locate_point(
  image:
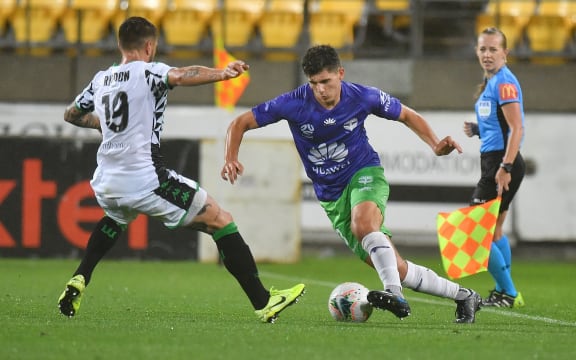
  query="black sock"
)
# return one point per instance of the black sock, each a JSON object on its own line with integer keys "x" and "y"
{"x": 238, "y": 260}
{"x": 103, "y": 238}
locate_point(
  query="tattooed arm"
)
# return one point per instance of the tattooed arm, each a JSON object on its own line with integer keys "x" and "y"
{"x": 76, "y": 117}
{"x": 198, "y": 75}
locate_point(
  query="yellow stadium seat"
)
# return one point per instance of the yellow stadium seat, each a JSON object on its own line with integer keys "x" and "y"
{"x": 186, "y": 22}
{"x": 281, "y": 24}
{"x": 36, "y": 21}
{"x": 152, "y": 10}
{"x": 7, "y": 8}
{"x": 392, "y": 5}
{"x": 396, "y": 13}
{"x": 95, "y": 18}
{"x": 510, "y": 16}
{"x": 237, "y": 20}
{"x": 333, "y": 22}
{"x": 550, "y": 29}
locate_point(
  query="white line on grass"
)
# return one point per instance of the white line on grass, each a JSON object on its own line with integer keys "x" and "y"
{"x": 509, "y": 313}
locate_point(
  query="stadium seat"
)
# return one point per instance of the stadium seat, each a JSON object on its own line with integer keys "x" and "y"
{"x": 550, "y": 29}
{"x": 392, "y": 5}
{"x": 333, "y": 22}
{"x": 153, "y": 10}
{"x": 237, "y": 20}
{"x": 186, "y": 22}
{"x": 7, "y": 8}
{"x": 395, "y": 14}
{"x": 510, "y": 16}
{"x": 95, "y": 18}
{"x": 281, "y": 24}
{"x": 37, "y": 21}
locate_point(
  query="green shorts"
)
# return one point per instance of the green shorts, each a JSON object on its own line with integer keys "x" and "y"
{"x": 368, "y": 184}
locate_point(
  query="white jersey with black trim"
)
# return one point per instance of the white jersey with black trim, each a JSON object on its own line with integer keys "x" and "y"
{"x": 130, "y": 100}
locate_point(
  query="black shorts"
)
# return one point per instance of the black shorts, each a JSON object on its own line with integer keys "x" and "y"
{"x": 486, "y": 187}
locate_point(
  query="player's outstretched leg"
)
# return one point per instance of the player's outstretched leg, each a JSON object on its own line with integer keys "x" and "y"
{"x": 280, "y": 300}
{"x": 69, "y": 301}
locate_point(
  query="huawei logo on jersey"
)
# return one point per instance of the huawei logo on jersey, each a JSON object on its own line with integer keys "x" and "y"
{"x": 508, "y": 92}
{"x": 328, "y": 152}
{"x": 329, "y": 159}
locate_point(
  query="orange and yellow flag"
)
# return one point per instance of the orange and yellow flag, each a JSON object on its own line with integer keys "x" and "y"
{"x": 227, "y": 93}
{"x": 465, "y": 237}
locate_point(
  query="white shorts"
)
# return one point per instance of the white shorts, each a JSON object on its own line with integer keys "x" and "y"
{"x": 175, "y": 202}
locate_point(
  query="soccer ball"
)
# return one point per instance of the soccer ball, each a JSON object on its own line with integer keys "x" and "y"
{"x": 348, "y": 302}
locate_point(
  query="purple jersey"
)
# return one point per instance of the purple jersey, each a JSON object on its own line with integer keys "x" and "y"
{"x": 332, "y": 144}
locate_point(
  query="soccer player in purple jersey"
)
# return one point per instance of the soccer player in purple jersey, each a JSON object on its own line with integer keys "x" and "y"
{"x": 326, "y": 117}
{"x": 500, "y": 126}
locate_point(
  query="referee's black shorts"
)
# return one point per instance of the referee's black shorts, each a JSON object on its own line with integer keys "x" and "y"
{"x": 486, "y": 189}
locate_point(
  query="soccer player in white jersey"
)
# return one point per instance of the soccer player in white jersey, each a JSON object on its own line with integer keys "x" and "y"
{"x": 326, "y": 118}
{"x": 126, "y": 102}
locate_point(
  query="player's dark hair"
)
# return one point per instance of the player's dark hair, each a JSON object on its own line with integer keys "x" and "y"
{"x": 503, "y": 42}
{"x": 319, "y": 58}
{"x": 134, "y": 32}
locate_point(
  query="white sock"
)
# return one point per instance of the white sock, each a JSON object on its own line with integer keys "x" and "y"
{"x": 383, "y": 257}
{"x": 422, "y": 279}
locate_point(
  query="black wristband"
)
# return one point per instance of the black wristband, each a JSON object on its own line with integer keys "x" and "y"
{"x": 475, "y": 130}
{"x": 507, "y": 167}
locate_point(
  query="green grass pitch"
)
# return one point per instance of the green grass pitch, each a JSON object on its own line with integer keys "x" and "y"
{"x": 187, "y": 310}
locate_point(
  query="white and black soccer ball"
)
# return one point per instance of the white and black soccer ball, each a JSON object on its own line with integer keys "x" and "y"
{"x": 348, "y": 302}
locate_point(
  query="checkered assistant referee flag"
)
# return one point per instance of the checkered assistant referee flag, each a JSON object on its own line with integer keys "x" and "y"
{"x": 465, "y": 236}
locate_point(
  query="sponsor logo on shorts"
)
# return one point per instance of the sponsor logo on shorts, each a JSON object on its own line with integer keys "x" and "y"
{"x": 366, "y": 179}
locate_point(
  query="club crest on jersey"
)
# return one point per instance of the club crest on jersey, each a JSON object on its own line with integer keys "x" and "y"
{"x": 508, "y": 92}
{"x": 351, "y": 124}
{"x": 329, "y": 121}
